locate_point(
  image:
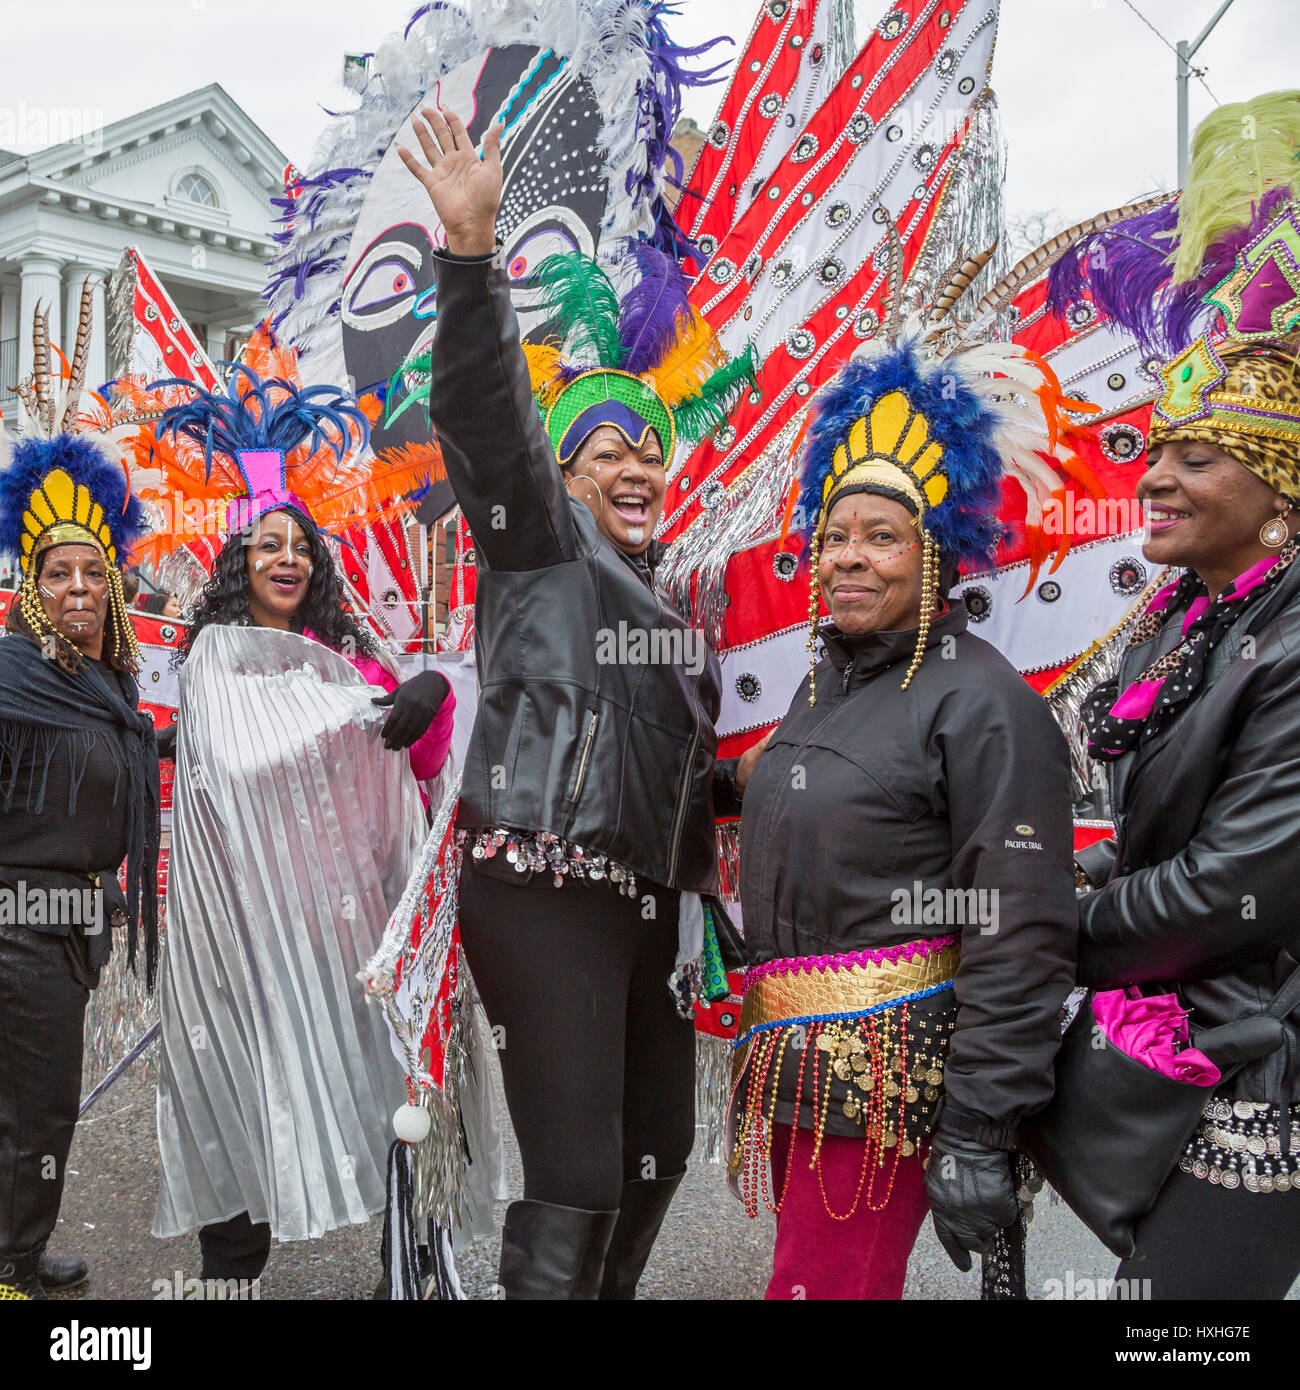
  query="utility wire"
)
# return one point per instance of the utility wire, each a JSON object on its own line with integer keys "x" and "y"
{"x": 1198, "y": 73}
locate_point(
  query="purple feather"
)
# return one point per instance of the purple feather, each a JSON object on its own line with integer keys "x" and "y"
{"x": 1126, "y": 268}
{"x": 650, "y": 314}
{"x": 660, "y": 98}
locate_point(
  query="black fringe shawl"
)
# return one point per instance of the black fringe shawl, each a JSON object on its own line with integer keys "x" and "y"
{"x": 45, "y": 709}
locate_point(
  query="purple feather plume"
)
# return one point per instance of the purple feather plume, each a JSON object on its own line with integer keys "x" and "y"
{"x": 650, "y": 313}
{"x": 1125, "y": 269}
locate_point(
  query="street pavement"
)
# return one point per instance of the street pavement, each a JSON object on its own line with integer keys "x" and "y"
{"x": 708, "y": 1249}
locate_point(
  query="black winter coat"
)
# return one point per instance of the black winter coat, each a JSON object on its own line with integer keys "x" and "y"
{"x": 571, "y": 736}
{"x": 1207, "y": 821}
{"x": 959, "y": 782}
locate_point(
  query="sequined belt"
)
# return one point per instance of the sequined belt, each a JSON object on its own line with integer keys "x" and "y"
{"x": 841, "y": 988}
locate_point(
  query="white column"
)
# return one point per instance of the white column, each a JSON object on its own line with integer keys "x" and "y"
{"x": 74, "y": 278}
{"x": 41, "y": 285}
{"x": 215, "y": 346}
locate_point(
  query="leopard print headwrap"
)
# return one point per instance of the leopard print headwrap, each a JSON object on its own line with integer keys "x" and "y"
{"x": 1270, "y": 374}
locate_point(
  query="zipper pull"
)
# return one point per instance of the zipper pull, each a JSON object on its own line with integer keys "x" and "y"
{"x": 844, "y": 684}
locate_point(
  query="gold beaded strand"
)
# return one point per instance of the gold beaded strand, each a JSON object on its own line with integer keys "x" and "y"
{"x": 929, "y": 586}
{"x": 814, "y": 603}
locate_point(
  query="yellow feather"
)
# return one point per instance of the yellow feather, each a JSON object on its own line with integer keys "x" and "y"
{"x": 543, "y": 369}
{"x": 689, "y": 365}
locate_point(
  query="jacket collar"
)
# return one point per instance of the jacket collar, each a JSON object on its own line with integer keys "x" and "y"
{"x": 873, "y": 651}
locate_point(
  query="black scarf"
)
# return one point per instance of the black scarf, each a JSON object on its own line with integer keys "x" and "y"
{"x": 44, "y": 705}
{"x": 1117, "y": 723}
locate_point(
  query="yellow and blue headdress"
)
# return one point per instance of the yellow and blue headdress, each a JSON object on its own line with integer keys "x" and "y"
{"x": 938, "y": 433}
{"x": 647, "y": 361}
{"x": 58, "y": 487}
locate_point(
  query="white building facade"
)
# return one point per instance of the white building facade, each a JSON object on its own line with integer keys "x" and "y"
{"x": 189, "y": 183}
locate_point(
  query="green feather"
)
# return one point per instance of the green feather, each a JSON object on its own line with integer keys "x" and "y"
{"x": 702, "y": 413}
{"x": 1239, "y": 152}
{"x": 582, "y": 303}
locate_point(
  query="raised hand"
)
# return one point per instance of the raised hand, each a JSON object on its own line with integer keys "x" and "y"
{"x": 464, "y": 189}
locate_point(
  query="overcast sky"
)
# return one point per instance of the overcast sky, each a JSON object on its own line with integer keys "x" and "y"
{"x": 1086, "y": 89}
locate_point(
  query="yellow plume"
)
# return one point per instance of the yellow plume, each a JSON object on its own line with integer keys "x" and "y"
{"x": 544, "y": 362}
{"x": 689, "y": 365}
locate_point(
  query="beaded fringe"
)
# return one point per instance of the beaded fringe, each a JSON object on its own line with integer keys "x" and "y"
{"x": 881, "y": 1065}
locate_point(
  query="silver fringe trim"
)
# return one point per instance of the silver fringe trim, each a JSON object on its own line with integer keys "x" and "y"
{"x": 749, "y": 511}
{"x": 844, "y": 39}
{"x": 970, "y": 218}
{"x": 712, "y": 1091}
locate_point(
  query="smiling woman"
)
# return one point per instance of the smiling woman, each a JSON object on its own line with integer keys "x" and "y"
{"x": 581, "y": 889}
{"x": 78, "y": 795}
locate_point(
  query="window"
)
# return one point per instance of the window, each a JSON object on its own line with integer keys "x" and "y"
{"x": 197, "y": 189}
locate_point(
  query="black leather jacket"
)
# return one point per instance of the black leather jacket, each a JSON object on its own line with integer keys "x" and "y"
{"x": 1207, "y": 821}
{"x": 959, "y": 782}
{"x": 574, "y": 734}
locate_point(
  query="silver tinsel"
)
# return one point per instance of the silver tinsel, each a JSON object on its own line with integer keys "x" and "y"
{"x": 1099, "y": 666}
{"x": 120, "y": 1012}
{"x": 970, "y": 218}
{"x": 748, "y": 512}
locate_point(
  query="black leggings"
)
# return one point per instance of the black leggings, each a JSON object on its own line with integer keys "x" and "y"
{"x": 235, "y": 1249}
{"x": 599, "y": 1069}
{"x": 1203, "y": 1241}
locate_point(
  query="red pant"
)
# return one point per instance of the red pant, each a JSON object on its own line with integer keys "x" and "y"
{"x": 865, "y": 1257}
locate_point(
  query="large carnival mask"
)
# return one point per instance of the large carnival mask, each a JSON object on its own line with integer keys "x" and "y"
{"x": 552, "y": 201}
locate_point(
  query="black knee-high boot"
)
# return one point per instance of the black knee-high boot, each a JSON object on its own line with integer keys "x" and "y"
{"x": 553, "y": 1252}
{"x": 641, "y": 1212}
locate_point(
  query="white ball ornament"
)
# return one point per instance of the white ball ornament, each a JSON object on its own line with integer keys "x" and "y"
{"x": 411, "y": 1123}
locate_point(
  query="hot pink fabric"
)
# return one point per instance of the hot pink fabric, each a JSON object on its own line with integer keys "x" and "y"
{"x": 1138, "y": 700}
{"x": 263, "y": 471}
{"x": 429, "y": 751}
{"x": 1146, "y": 1029}
{"x": 819, "y": 1258}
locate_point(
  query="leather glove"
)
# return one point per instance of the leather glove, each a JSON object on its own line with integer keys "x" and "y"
{"x": 166, "y": 743}
{"x": 414, "y": 704}
{"x": 972, "y": 1196}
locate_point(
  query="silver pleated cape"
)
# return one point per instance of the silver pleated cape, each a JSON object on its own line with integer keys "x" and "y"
{"x": 294, "y": 831}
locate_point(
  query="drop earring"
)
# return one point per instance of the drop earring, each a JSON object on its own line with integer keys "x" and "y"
{"x": 1274, "y": 532}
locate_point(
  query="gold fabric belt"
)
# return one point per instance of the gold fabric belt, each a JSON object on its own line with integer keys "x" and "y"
{"x": 854, "y": 985}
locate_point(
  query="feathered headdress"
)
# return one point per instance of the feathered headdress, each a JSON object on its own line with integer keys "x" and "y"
{"x": 938, "y": 428}
{"x": 1151, "y": 272}
{"x": 214, "y": 461}
{"x": 647, "y": 361}
{"x": 57, "y": 487}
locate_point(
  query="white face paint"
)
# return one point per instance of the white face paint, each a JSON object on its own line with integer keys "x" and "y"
{"x": 44, "y": 592}
{"x": 259, "y": 565}
{"x": 635, "y": 535}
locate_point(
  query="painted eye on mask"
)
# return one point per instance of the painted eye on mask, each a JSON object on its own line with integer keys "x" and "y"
{"x": 383, "y": 288}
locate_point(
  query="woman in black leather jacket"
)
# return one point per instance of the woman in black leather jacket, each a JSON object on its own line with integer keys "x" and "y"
{"x": 588, "y": 801}
{"x": 905, "y": 861}
{"x": 1201, "y": 735}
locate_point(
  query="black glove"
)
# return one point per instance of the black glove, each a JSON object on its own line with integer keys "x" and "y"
{"x": 166, "y": 742}
{"x": 414, "y": 702}
{"x": 971, "y": 1193}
